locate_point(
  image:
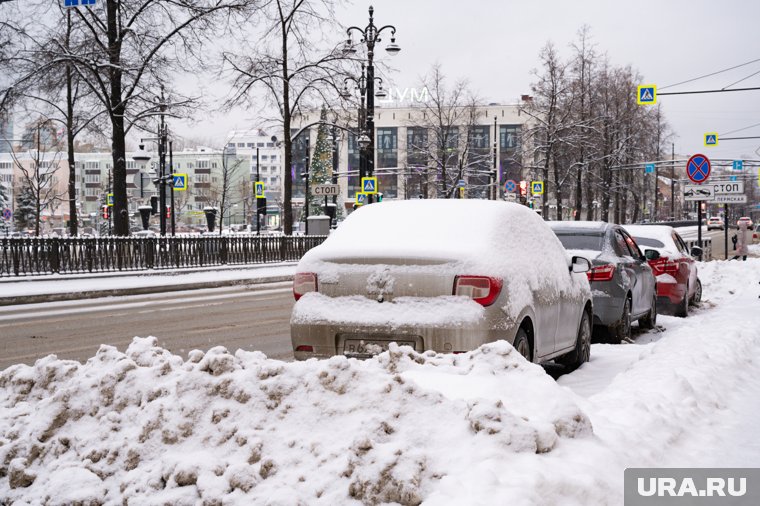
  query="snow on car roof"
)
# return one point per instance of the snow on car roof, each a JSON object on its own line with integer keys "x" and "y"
{"x": 465, "y": 231}
{"x": 662, "y": 233}
{"x": 449, "y": 237}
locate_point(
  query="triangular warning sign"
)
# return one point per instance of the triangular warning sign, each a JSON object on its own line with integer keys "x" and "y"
{"x": 646, "y": 95}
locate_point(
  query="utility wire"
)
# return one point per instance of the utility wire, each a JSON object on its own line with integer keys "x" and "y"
{"x": 739, "y": 129}
{"x": 743, "y": 79}
{"x": 712, "y": 74}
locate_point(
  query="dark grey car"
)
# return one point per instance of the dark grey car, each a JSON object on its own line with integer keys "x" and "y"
{"x": 622, "y": 283}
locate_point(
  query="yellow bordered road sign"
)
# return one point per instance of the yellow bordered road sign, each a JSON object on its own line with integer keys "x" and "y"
{"x": 361, "y": 198}
{"x": 179, "y": 182}
{"x": 369, "y": 185}
{"x": 258, "y": 190}
{"x": 537, "y": 187}
{"x": 646, "y": 94}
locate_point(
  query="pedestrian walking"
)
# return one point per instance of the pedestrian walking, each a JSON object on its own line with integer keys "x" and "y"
{"x": 744, "y": 239}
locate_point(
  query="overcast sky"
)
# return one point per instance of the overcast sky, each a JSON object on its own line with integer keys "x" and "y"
{"x": 494, "y": 44}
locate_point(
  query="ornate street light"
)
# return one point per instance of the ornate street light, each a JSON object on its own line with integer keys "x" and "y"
{"x": 370, "y": 35}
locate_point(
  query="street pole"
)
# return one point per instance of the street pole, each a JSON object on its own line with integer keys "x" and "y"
{"x": 725, "y": 229}
{"x": 496, "y": 181}
{"x": 673, "y": 180}
{"x": 162, "y": 169}
{"x": 370, "y": 35}
{"x": 258, "y": 218}
{"x": 171, "y": 176}
{"x": 334, "y": 172}
{"x": 699, "y": 225}
{"x": 306, "y": 190}
{"x": 110, "y": 209}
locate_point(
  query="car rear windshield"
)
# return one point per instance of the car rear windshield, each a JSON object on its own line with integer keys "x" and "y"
{"x": 646, "y": 241}
{"x": 580, "y": 241}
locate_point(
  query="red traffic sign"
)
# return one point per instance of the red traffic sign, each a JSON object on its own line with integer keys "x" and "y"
{"x": 698, "y": 168}
{"x": 510, "y": 186}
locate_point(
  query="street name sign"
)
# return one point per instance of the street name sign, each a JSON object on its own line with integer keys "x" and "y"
{"x": 711, "y": 139}
{"x": 326, "y": 189}
{"x": 730, "y": 199}
{"x": 78, "y": 3}
{"x": 731, "y": 187}
{"x": 698, "y": 168}
{"x": 698, "y": 192}
{"x": 646, "y": 94}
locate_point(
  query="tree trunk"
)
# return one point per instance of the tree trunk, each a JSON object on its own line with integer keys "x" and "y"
{"x": 118, "y": 142}
{"x": 70, "y": 138}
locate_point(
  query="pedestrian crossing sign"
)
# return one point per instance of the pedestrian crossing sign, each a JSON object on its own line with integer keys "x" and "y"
{"x": 179, "y": 182}
{"x": 711, "y": 139}
{"x": 369, "y": 185}
{"x": 537, "y": 187}
{"x": 646, "y": 94}
{"x": 258, "y": 189}
{"x": 361, "y": 198}
{"x": 109, "y": 199}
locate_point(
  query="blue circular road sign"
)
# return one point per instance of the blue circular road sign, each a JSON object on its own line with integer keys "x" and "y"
{"x": 698, "y": 168}
{"x": 7, "y": 214}
{"x": 510, "y": 186}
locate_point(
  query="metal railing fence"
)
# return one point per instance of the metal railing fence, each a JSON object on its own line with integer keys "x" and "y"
{"x": 46, "y": 255}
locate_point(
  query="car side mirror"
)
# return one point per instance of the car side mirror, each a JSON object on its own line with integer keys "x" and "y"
{"x": 696, "y": 251}
{"x": 579, "y": 265}
{"x": 651, "y": 254}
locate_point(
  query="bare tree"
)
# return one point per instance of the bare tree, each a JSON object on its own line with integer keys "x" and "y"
{"x": 130, "y": 51}
{"x": 446, "y": 143}
{"x": 38, "y": 176}
{"x": 221, "y": 192}
{"x": 291, "y": 63}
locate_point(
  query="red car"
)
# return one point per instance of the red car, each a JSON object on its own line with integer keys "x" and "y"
{"x": 678, "y": 285}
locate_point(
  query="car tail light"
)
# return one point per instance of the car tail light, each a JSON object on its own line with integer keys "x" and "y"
{"x": 304, "y": 282}
{"x": 601, "y": 273}
{"x": 305, "y": 347}
{"x": 664, "y": 265}
{"x": 481, "y": 289}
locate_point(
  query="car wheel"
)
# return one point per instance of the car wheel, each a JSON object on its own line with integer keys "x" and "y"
{"x": 697, "y": 294}
{"x": 522, "y": 344}
{"x": 622, "y": 330}
{"x": 582, "y": 351}
{"x": 650, "y": 320}
{"x": 682, "y": 308}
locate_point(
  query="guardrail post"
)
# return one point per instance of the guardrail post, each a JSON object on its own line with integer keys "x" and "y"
{"x": 54, "y": 255}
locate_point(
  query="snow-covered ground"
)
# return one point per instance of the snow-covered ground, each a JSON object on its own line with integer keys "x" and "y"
{"x": 146, "y": 427}
{"x": 54, "y": 284}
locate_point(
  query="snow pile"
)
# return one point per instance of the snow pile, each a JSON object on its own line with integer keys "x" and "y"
{"x": 151, "y": 428}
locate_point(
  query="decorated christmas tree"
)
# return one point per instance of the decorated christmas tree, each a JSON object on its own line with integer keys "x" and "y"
{"x": 321, "y": 166}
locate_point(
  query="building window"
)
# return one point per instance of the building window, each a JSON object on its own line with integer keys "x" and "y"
{"x": 510, "y": 159}
{"x": 479, "y": 160}
{"x": 353, "y": 165}
{"x": 92, "y": 178}
{"x": 260, "y": 145}
{"x": 241, "y": 144}
{"x": 250, "y": 145}
{"x": 202, "y": 164}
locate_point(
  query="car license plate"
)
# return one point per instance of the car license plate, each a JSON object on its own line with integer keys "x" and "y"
{"x": 370, "y": 347}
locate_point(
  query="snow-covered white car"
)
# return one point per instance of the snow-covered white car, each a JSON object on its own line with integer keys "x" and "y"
{"x": 715, "y": 222}
{"x": 678, "y": 284}
{"x": 442, "y": 275}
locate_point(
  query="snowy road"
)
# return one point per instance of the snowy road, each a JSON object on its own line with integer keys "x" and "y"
{"x": 235, "y": 317}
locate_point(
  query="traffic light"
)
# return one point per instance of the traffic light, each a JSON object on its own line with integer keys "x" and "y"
{"x": 261, "y": 206}
{"x": 104, "y": 213}
{"x": 523, "y": 188}
{"x": 530, "y": 204}
{"x": 168, "y": 211}
{"x": 154, "y": 204}
{"x": 379, "y": 197}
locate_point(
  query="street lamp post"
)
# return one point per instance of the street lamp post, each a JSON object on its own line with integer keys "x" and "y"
{"x": 495, "y": 171}
{"x": 370, "y": 36}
